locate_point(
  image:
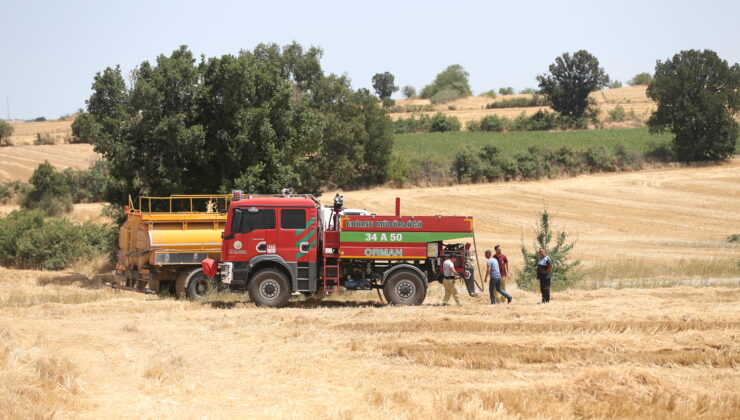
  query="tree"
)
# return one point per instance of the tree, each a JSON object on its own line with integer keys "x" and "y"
{"x": 260, "y": 121}
{"x": 449, "y": 85}
{"x": 506, "y": 91}
{"x": 698, "y": 97}
{"x": 571, "y": 80}
{"x": 614, "y": 84}
{"x": 641, "y": 79}
{"x": 6, "y": 130}
{"x": 408, "y": 91}
{"x": 85, "y": 128}
{"x": 563, "y": 273}
{"x": 384, "y": 86}
{"x": 50, "y": 192}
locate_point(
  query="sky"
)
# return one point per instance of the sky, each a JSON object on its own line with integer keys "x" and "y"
{"x": 51, "y": 50}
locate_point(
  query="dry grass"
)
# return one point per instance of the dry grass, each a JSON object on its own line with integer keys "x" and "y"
{"x": 25, "y": 132}
{"x": 70, "y": 348}
{"x": 473, "y": 108}
{"x": 19, "y": 162}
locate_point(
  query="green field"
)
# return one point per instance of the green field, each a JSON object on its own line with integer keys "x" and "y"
{"x": 444, "y": 146}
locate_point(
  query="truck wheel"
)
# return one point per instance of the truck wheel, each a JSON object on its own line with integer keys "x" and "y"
{"x": 404, "y": 287}
{"x": 269, "y": 288}
{"x": 200, "y": 286}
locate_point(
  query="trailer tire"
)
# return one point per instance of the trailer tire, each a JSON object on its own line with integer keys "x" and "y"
{"x": 405, "y": 287}
{"x": 269, "y": 287}
{"x": 200, "y": 286}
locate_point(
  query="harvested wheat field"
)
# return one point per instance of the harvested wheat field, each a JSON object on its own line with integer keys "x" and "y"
{"x": 73, "y": 348}
{"x": 19, "y": 162}
{"x": 26, "y": 132}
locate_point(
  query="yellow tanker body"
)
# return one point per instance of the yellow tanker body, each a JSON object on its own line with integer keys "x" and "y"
{"x": 163, "y": 241}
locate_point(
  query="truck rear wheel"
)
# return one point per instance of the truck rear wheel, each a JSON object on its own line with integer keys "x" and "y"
{"x": 269, "y": 287}
{"x": 200, "y": 286}
{"x": 404, "y": 287}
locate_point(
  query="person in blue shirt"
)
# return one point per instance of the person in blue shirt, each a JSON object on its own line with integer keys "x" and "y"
{"x": 493, "y": 273}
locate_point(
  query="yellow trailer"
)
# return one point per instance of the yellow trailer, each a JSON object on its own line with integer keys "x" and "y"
{"x": 164, "y": 240}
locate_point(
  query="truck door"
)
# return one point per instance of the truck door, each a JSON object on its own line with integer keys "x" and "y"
{"x": 252, "y": 233}
{"x": 297, "y": 243}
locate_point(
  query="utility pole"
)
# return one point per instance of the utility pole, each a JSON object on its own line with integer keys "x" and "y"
{"x": 7, "y": 103}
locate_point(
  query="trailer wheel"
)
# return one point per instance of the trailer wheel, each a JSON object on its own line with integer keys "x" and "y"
{"x": 404, "y": 287}
{"x": 269, "y": 287}
{"x": 200, "y": 286}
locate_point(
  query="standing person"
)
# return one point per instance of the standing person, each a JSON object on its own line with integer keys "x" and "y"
{"x": 494, "y": 275}
{"x": 544, "y": 275}
{"x": 449, "y": 273}
{"x": 503, "y": 267}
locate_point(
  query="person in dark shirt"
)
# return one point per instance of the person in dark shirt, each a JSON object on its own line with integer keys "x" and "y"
{"x": 544, "y": 275}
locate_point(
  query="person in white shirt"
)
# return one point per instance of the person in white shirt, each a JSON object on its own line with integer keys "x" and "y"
{"x": 449, "y": 273}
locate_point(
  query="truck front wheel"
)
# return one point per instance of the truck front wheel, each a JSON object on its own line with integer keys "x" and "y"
{"x": 269, "y": 287}
{"x": 199, "y": 286}
{"x": 404, "y": 287}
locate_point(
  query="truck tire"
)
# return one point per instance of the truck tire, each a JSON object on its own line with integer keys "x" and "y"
{"x": 269, "y": 287}
{"x": 199, "y": 286}
{"x": 404, "y": 287}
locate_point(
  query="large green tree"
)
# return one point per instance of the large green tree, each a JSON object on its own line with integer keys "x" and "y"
{"x": 384, "y": 85}
{"x": 450, "y": 84}
{"x": 698, "y": 97}
{"x": 258, "y": 121}
{"x": 572, "y": 78}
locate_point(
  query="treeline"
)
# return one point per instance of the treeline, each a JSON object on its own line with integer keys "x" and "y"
{"x": 489, "y": 164}
{"x": 259, "y": 121}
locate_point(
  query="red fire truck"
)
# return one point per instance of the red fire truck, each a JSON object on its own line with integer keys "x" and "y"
{"x": 277, "y": 245}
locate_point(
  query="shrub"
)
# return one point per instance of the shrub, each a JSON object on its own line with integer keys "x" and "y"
{"x": 617, "y": 114}
{"x": 6, "y": 130}
{"x": 568, "y": 159}
{"x": 491, "y": 93}
{"x": 543, "y": 121}
{"x": 533, "y": 101}
{"x": 446, "y": 95}
{"x": 50, "y": 191}
{"x": 429, "y": 171}
{"x": 408, "y": 92}
{"x": 626, "y": 159}
{"x": 493, "y": 123}
{"x": 641, "y": 79}
{"x": 506, "y": 91}
{"x": 43, "y": 138}
{"x": 735, "y": 237}
{"x": 441, "y": 123}
{"x": 453, "y": 78}
{"x": 564, "y": 274}
{"x": 30, "y": 241}
{"x": 412, "y": 124}
{"x": 388, "y": 102}
{"x": 528, "y": 91}
{"x": 614, "y": 84}
{"x": 10, "y": 191}
{"x": 598, "y": 158}
{"x": 472, "y": 125}
{"x": 466, "y": 167}
{"x": 660, "y": 152}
